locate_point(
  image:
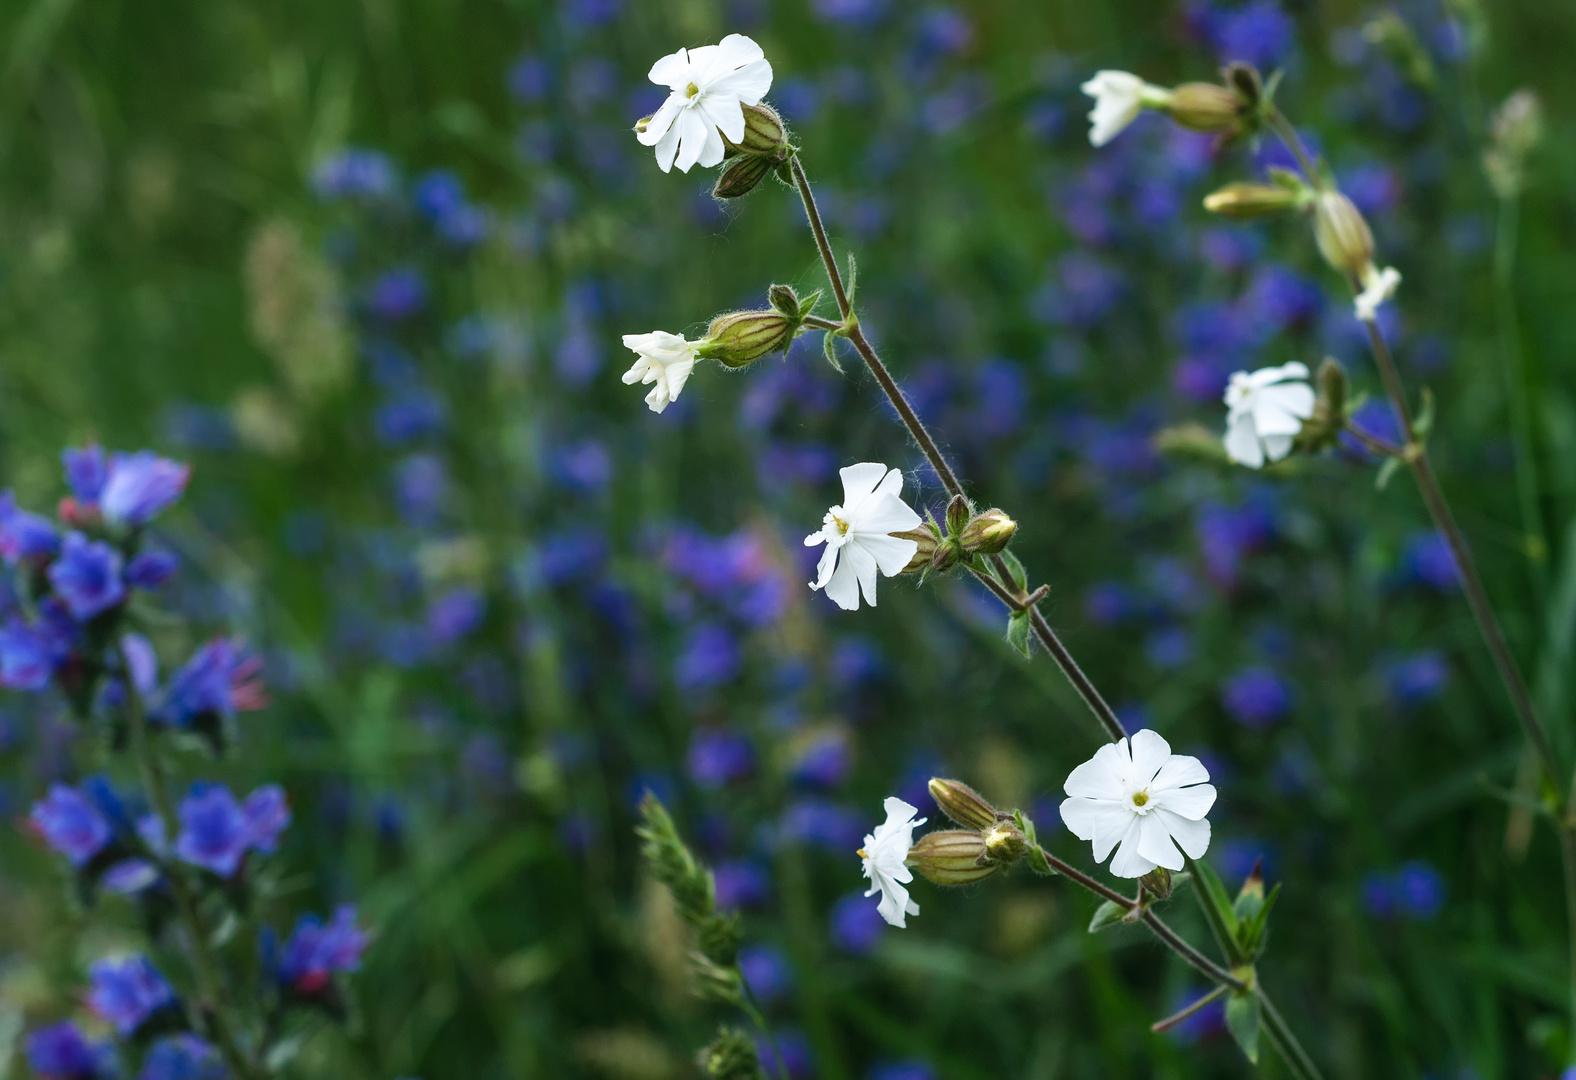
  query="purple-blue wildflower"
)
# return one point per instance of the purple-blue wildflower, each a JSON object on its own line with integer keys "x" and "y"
{"x": 354, "y": 173}
{"x": 217, "y": 831}
{"x": 151, "y": 569}
{"x": 87, "y": 576}
{"x": 61, "y": 1052}
{"x": 315, "y": 951}
{"x": 139, "y": 487}
{"x": 1256, "y": 697}
{"x": 71, "y": 824}
{"x": 24, "y": 535}
{"x": 217, "y": 682}
{"x": 182, "y": 1057}
{"x": 126, "y": 992}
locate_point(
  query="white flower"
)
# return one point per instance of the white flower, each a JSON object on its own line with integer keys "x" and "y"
{"x": 856, "y": 535}
{"x": 884, "y": 853}
{"x": 1119, "y": 97}
{"x": 709, "y": 84}
{"x": 1143, "y": 797}
{"x": 665, "y": 359}
{"x": 1378, "y": 286}
{"x": 1266, "y": 412}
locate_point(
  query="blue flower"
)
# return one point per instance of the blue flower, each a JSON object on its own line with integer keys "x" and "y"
{"x": 1256, "y": 697}
{"x": 856, "y": 924}
{"x": 767, "y": 972}
{"x": 23, "y": 534}
{"x": 410, "y": 417}
{"x": 217, "y": 832}
{"x": 61, "y": 1052}
{"x": 455, "y": 615}
{"x": 421, "y": 482}
{"x": 1259, "y": 33}
{"x": 437, "y": 194}
{"x": 151, "y": 569}
{"x": 911, "y": 1069}
{"x": 1419, "y": 890}
{"x": 315, "y": 951}
{"x": 828, "y": 825}
{"x": 740, "y": 884}
{"x": 824, "y": 760}
{"x": 71, "y": 824}
{"x": 182, "y": 1057}
{"x": 127, "y": 992}
{"x": 719, "y": 757}
{"x": 585, "y": 466}
{"x": 139, "y": 487}
{"x": 87, "y": 576}
{"x": 86, "y": 471}
{"x": 28, "y": 655}
{"x": 1417, "y": 679}
{"x": 530, "y": 79}
{"x": 216, "y": 682}
{"x": 353, "y": 173}
{"x": 398, "y": 294}
{"x": 1429, "y": 561}
{"x": 711, "y": 657}
{"x": 797, "y": 1056}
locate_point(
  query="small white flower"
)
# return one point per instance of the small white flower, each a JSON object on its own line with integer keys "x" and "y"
{"x": 1266, "y": 411}
{"x": 1378, "y": 286}
{"x": 857, "y": 535}
{"x": 884, "y": 853}
{"x": 709, "y": 84}
{"x": 1143, "y": 797}
{"x": 665, "y": 359}
{"x": 1119, "y": 96}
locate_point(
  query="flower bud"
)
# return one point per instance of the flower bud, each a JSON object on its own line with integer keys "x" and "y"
{"x": 1004, "y": 843}
{"x": 1206, "y": 107}
{"x": 742, "y": 176}
{"x": 784, "y": 300}
{"x": 1157, "y": 882}
{"x": 643, "y": 123}
{"x": 743, "y": 337}
{"x": 1245, "y": 79}
{"x": 731, "y": 1056}
{"x": 1322, "y": 429}
{"x": 962, "y": 803}
{"x": 988, "y": 534}
{"x": 951, "y": 857}
{"x": 1343, "y": 236}
{"x": 928, "y": 540}
{"x": 1332, "y": 386}
{"x": 763, "y": 133}
{"x": 1242, "y": 200}
{"x": 958, "y": 512}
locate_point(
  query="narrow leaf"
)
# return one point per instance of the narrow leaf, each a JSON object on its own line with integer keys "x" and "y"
{"x": 1386, "y": 471}
{"x": 853, "y": 278}
{"x": 807, "y": 305}
{"x": 1425, "y": 415}
{"x": 829, "y": 347}
{"x": 1015, "y": 568}
{"x": 1242, "y": 1020}
{"x": 1018, "y": 631}
{"x": 1253, "y": 932}
{"x": 1106, "y": 915}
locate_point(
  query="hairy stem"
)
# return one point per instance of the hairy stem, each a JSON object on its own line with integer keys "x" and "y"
{"x": 1007, "y": 590}
{"x": 204, "y": 970}
{"x": 1188, "y": 1010}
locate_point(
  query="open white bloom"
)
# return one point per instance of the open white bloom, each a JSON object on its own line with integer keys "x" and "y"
{"x": 884, "y": 853}
{"x": 1266, "y": 411}
{"x": 857, "y": 535}
{"x": 1119, "y": 96}
{"x": 709, "y": 84}
{"x": 1378, "y": 286}
{"x": 665, "y": 359}
{"x": 1144, "y": 798}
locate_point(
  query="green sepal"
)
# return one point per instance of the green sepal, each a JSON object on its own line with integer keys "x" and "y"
{"x": 1425, "y": 415}
{"x": 1018, "y": 632}
{"x": 807, "y": 305}
{"x": 829, "y": 349}
{"x": 1107, "y": 915}
{"x": 1252, "y": 933}
{"x": 853, "y": 279}
{"x": 1386, "y": 471}
{"x": 1015, "y": 568}
{"x": 1242, "y": 1020}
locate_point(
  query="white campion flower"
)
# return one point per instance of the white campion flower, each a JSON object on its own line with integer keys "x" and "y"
{"x": 857, "y": 535}
{"x": 1119, "y": 96}
{"x": 885, "y": 854}
{"x": 1378, "y": 286}
{"x": 665, "y": 359}
{"x": 1265, "y": 412}
{"x": 710, "y": 86}
{"x": 1139, "y": 795}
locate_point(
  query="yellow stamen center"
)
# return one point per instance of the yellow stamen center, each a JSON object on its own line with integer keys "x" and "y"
{"x": 842, "y": 526}
{"x": 691, "y": 90}
{"x": 861, "y": 853}
{"x": 1141, "y": 798}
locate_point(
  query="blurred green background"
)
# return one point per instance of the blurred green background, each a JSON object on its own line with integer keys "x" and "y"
{"x": 187, "y": 262}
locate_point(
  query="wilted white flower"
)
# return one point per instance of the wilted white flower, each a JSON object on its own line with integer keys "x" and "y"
{"x": 1139, "y": 795}
{"x": 1266, "y": 411}
{"x": 1119, "y": 96}
{"x": 710, "y": 85}
{"x": 884, "y": 853}
{"x": 1378, "y": 286}
{"x": 857, "y": 535}
{"x": 665, "y": 359}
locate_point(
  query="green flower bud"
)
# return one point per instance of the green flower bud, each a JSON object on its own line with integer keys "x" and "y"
{"x": 962, "y": 803}
{"x": 731, "y": 1056}
{"x": 988, "y": 534}
{"x": 764, "y": 133}
{"x": 1252, "y": 200}
{"x": 958, "y": 513}
{"x": 784, "y": 300}
{"x": 740, "y": 338}
{"x": 742, "y": 176}
{"x": 1320, "y": 430}
{"x": 1005, "y": 843}
{"x": 1206, "y": 107}
{"x": 928, "y": 540}
{"x": 643, "y": 123}
{"x": 1245, "y": 79}
{"x": 951, "y": 857}
{"x": 1344, "y": 238}
{"x": 1157, "y": 882}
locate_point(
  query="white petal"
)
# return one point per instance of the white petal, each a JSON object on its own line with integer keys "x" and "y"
{"x": 1189, "y": 802}
{"x": 735, "y": 51}
{"x": 1129, "y": 861}
{"x": 723, "y": 112}
{"x": 890, "y": 553}
{"x": 1100, "y": 777}
{"x": 748, "y": 84}
{"x": 898, "y": 811}
{"x": 668, "y": 148}
{"x": 1177, "y": 772}
{"x": 843, "y": 586}
{"x": 1270, "y": 419}
{"x": 815, "y": 538}
{"x": 1102, "y": 822}
{"x": 1242, "y": 442}
{"x": 692, "y": 129}
{"x": 672, "y": 70}
{"x": 713, "y": 148}
{"x": 860, "y": 480}
{"x": 1277, "y": 446}
{"x": 1191, "y": 836}
{"x": 824, "y": 568}
{"x": 661, "y": 121}
{"x": 1154, "y": 843}
{"x": 1150, "y": 751}
{"x": 862, "y": 565}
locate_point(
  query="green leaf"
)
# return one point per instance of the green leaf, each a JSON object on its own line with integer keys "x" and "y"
{"x": 1015, "y": 568}
{"x": 1251, "y": 933}
{"x": 807, "y": 305}
{"x": 1386, "y": 471}
{"x": 853, "y": 279}
{"x": 1212, "y": 898}
{"x": 1425, "y": 415}
{"x": 1106, "y": 915}
{"x": 1242, "y": 1020}
{"x": 829, "y": 347}
{"x": 1018, "y": 632}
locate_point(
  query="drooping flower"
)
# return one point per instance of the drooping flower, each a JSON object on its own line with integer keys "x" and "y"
{"x": 665, "y": 359}
{"x": 1119, "y": 96}
{"x": 127, "y": 991}
{"x": 61, "y": 1052}
{"x": 1265, "y": 412}
{"x": 884, "y": 856}
{"x": 1378, "y": 286}
{"x": 24, "y": 534}
{"x": 315, "y": 951}
{"x": 183, "y": 1057}
{"x": 218, "y": 681}
{"x": 139, "y": 487}
{"x": 87, "y": 576}
{"x": 1137, "y": 796}
{"x": 858, "y": 537}
{"x": 151, "y": 569}
{"x": 710, "y": 86}
{"x": 70, "y": 824}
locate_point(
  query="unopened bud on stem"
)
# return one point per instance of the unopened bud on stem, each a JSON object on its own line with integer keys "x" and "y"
{"x": 1242, "y": 200}
{"x": 951, "y": 857}
{"x": 1005, "y": 843}
{"x": 1344, "y": 238}
{"x": 988, "y": 534}
{"x": 958, "y": 511}
{"x": 1157, "y": 882}
{"x": 1206, "y": 107}
{"x": 928, "y": 540}
{"x": 764, "y": 132}
{"x": 743, "y": 337}
{"x": 962, "y": 803}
